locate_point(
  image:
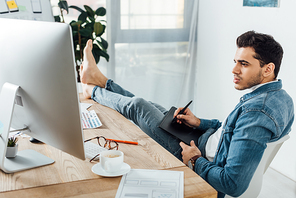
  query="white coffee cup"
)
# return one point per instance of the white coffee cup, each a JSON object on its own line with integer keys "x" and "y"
{"x": 111, "y": 160}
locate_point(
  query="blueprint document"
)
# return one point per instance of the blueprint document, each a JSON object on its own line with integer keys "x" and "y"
{"x": 142, "y": 183}
{"x": 89, "y": 119}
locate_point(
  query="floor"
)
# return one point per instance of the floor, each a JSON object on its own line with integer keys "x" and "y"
{"x": 276, "y": 185}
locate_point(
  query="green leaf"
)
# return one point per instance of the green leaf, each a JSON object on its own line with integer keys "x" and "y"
{"x": 63, "y": 5}
{"x": 90, "y": 25}
{"x": 101, "y": 32}
{"x": 82, "y": 17}
{"x": 85, "y": 38}
{"x": 89, "y": 11}
{"x": 96, "y": 56}
{"x": 95, "y": 52}
{"x": 84, "y": 41}
{"x": 105, "y": 55}
{"x": 101, "y": 11}
{"x": 92, "y": 19}
{"x": 76, "y": 8}
{"x": 98, "y": 52}
{"x": 77, "y": 56}
{"x": 85, "y": 32}
{"x": 12, "y": 141}
{"x": 98, "y": 28}
{"x": 103, "y": 43}
{"x": 74, "y": 29}
{"x": 75, "y": 36}
{"x": 75, "y": 23}
{"x": 57, "y": 18}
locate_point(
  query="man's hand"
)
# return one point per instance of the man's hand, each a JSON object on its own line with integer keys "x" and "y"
{"x": 187, "y": 118}
{"x": 189, "y": 151}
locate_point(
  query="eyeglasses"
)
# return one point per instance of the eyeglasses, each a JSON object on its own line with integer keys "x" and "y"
{"x": 103, "y": 142}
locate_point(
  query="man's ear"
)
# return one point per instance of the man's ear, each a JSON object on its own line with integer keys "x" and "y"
{"x": 269, "y": 70}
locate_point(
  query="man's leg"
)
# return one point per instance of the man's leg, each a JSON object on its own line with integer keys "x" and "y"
{"x": 142, "y": 113}
{"x": 92, "y": 76}
{"x": 146, "y": 115}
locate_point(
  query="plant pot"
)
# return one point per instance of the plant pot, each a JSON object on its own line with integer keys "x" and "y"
{"x": 11, "y": 151}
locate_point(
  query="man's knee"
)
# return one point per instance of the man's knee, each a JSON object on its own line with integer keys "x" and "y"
{"x": 138, "y": 102}
{"x": 136, "y": 107}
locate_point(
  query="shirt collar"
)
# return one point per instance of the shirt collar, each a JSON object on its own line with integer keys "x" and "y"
{"x": 266, "y": 87}
{"x": 259, "y": 85}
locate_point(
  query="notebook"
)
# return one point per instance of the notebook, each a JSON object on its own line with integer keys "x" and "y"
{"x": 181, "y": 131}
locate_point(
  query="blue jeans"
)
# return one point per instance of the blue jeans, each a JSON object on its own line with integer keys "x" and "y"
{"x": 145, "y": 114}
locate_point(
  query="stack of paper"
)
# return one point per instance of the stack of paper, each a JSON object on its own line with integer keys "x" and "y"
{"x": 151, "y": 184}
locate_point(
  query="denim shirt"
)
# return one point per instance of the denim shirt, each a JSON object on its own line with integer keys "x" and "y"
{"x": 262, "y": 116}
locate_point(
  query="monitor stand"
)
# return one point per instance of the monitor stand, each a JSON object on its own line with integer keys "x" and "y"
{"x": 25, "y": 159}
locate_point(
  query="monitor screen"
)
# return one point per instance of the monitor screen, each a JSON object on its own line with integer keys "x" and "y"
{"x": 39, "y": 58}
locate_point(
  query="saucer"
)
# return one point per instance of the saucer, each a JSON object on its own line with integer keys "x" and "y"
{"x": 97, "y": 169}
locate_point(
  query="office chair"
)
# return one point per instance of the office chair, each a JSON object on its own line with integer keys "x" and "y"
{"x": 268, "y": 155}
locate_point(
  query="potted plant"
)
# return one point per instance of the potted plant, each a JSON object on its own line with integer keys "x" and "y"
{"x": 12, "y": 147}
{"x": 88, "y": 26}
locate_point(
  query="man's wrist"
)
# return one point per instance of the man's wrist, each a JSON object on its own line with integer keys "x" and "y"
{"x": 197, "y": 122}
{"x": 192, "y": 160}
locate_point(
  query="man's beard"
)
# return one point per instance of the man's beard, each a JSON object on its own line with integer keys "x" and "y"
{"x": 256, "y": 80}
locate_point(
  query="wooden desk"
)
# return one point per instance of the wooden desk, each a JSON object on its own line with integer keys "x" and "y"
{"x": 72, "y": 177}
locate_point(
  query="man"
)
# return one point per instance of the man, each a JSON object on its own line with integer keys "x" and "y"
{"x": 226, "y": 157}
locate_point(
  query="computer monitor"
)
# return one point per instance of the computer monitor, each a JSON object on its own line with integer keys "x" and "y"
{"x": 39, "y": 90}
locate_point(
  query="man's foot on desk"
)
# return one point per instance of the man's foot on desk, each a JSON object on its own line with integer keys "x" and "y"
{"x": 89, "y": 71}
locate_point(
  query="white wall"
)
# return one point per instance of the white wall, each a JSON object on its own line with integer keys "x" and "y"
{"x": 220, "y": 22}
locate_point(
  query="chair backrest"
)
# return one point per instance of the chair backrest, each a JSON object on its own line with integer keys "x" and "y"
{"x": 268, "y": 155}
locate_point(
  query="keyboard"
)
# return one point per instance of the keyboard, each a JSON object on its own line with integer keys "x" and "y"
{"x": 91, "y": 149}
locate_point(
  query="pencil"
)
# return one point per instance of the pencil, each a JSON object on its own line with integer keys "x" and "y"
{"x": 124, "y": 141}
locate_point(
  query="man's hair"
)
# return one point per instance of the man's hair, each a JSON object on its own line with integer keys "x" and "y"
{"x": 266, "y": 48}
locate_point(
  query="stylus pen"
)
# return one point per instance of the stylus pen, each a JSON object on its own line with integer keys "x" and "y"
{"x": 124, "y": 141}
{"x": 181, "y": 112}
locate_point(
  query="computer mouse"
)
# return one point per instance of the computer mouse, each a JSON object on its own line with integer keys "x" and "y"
{"x": 33, "y": 140}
